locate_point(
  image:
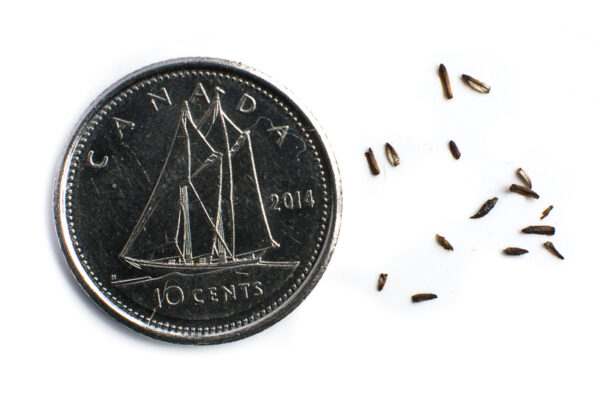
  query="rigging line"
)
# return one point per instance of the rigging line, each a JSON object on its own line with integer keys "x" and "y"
{"x": 233, "y": 123}
{"x": 201, "y": 122}
{"x": 148, "y": 208}
{"x": 242, "y": 137}
{"x": 180, "y": 253}
{"x": 207, "y": 163}
{"x": 289, "y": 133}
{"x": 258, "y": 120}
{"x": 261, "y": 250}
{"x": 188, "y": 147}
{"x": 188, "y": 118}
{"x": 177, "y": 234}
{"x": 210, "y": 220}
{"x": 262, "y": 206}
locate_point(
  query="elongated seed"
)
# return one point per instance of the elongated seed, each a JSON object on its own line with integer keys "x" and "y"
{"x": 372, "y": 162}
{"x": 550, "y": 247}
{"x": 539, "y": 230}
{"x": 454, "y": 149}
{"x": 485, "y": 208}
{"x": 476, "y": 85}
{"x": 392, "y": 155}
{"x": 514, "y": 251}
{"x": 443, "y": 242}
{"x": 546, "y": 212}
{"x": 417, "y": 298}
{"x": 381, "y": 281}
{"x": 523, "y": 191}
{"x": 445, "y": 81}
{"x": 524, "y": 177}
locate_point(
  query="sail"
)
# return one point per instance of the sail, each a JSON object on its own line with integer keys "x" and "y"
{"x": 206, "y": 206}
{"x": 217, "y": 194}
{"x": 251, "y": 219}
{"x": 158, "y": 232}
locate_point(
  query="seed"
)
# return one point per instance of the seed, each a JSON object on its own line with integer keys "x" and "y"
{"x": 475, "y": 84}
{"x": 454, "y": 149}
{"x": 443, "y": 242}
{"x": 486, "y": 208}
{"x": 392, "y": 155}
{"x": 381, "y": 281}
{"x": 417, "y": 298}
{"x": 372, "y": 162}
{"x": 523, "y": 191}
{"x": 539, "y": 230}
{"x": 524, "y": 177}
{"x": 550, "y": 247}
{"x": 445, "y": 81}
{"x": 514, "y": 251}
{"x": 546, "y": 212}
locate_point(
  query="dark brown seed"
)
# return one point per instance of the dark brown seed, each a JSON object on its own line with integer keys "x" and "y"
{"x": 372, "y": 162}
{"x": 475, "y": 84}
{"x": 392, "y": 155}
{"x": 381, "y": 281}
{"x": 539, "y": 230}
{"x": 417, "y": 298}
{"x": 524, "y": 177}
{"x": 486, "y": 208}
{"x": 443, "y": 242}
{"x": 514, "y": 251}
{"x": 550, "y": 247}
{"x": 445, "y": 81}
{"x": 454, "y": 149}
{"x": 523, "y": 191}
{"x": 546, "y": 212}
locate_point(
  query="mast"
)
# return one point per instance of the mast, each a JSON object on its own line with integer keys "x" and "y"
{"x": 228, "y": 176}
{"x": 187, "y": 234}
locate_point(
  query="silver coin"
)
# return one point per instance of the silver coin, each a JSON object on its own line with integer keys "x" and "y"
{"x": 197, "y": 202}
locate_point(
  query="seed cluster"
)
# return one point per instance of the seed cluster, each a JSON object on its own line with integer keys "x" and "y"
{"x": 526, "y": 189}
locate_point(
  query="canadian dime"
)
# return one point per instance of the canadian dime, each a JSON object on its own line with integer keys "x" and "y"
{"x": 197, "y": 202}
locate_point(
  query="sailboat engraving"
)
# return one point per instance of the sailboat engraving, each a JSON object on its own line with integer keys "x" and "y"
{"x": 205, "y": 212}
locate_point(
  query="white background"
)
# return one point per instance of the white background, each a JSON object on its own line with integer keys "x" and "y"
{"x": 502, "y": 328}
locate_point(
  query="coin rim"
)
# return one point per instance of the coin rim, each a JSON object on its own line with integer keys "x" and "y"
{"x": 85, "y": 281}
